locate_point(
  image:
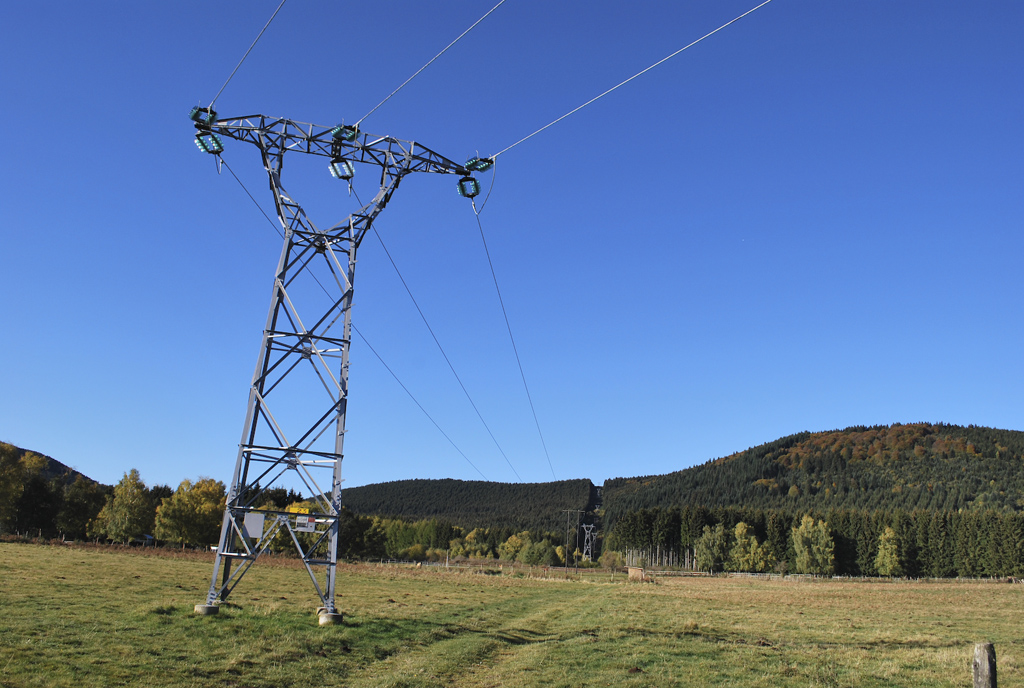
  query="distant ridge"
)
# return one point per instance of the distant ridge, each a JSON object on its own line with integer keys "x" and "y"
{"x": 52, "y": 468}
{"x": 915, "y": 466}
{"x": 473, "y": 503}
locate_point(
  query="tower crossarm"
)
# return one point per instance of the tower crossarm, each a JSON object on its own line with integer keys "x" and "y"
{"x": 337, "y": 142}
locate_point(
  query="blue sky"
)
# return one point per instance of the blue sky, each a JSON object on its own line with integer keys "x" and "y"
{"x": 809, "y": 221}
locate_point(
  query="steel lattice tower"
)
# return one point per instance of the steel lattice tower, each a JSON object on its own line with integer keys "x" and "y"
{"x": 306, "y": 340}
{"x": 588, "y": 541}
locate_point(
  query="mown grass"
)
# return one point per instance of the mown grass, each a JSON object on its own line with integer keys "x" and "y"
{"x": 79, "y": 616}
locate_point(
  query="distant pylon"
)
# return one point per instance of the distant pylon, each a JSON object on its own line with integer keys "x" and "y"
{"x": 588, "y": 541}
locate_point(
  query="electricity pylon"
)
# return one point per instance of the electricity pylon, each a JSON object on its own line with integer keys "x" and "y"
{"x": 299, "y": 435}
{"x": 588, "y": 541}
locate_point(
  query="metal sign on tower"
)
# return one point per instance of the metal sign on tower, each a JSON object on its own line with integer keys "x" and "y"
{"x": 288, "y": 432}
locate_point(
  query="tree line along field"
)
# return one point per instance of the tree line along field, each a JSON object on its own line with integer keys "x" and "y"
{"x": 935, "y": 544}
{"x": 101, "y": 616}
{"x": 913, "y": 500}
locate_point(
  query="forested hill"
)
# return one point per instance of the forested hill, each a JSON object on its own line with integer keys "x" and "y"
{"x": 916, "y": 466}
{"x": 48, "y": 467}
{"x": 475, "y": 503}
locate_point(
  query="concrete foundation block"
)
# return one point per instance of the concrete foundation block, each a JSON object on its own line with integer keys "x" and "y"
{"x": 330, "y": 618}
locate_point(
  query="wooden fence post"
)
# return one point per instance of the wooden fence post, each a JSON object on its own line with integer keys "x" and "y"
{"x": 984, "y": 665}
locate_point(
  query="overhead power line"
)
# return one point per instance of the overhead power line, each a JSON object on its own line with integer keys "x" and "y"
{"x": 446, "y": 359}
{"x": 512, "y": 339}
{"x": 429, "y": 417}
{"x": 500, "y": 3}
{"x": 255, "y": 202}
{"x": 444, "y": 354}
{"x": 247, "y": 53}
{"x": 665, "y": 59}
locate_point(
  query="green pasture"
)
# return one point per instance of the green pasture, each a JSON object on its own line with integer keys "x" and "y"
{"x": 73, "y": 616}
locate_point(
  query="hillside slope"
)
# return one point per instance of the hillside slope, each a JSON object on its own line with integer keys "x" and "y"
{"x": 474, "y": 503}
{"x": 915, "y": 466}
{"x": 50, "y": 467}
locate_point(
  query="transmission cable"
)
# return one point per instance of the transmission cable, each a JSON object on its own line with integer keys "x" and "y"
{"x": 512, "y": 339}
{"x": 258, "y": 206}
{"x": 503, "y": 150}
{"x": 367, "y": 342}
{"x": 500, "y": 3}
{"x": 441, "y": 349}
{"x": 247, "y": 53}
{"x": 388, "y": 368}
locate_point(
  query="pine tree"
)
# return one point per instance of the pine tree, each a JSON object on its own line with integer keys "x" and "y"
{"x": 941, "y": 551}
{"x": 1013, "y": 545}
{"x": 842, "y": 523}
{"x": 777, "y": 528}
{"x": 990, "y": 536}
{"x": 867, "y": 538}
{"x": 964, "y": 540}
{"x": 906, "y": 542}
{"x": 922, "y": 527}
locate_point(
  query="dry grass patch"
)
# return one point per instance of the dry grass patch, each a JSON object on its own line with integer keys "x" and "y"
{"x": 104, "y": 617}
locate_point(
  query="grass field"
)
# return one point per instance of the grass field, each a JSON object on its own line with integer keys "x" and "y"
{"x": 90, "y": 616}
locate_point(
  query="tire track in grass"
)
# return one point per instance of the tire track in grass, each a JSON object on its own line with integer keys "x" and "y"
{"x": 551, "y": 646}
{"x": 455, "y": 651}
